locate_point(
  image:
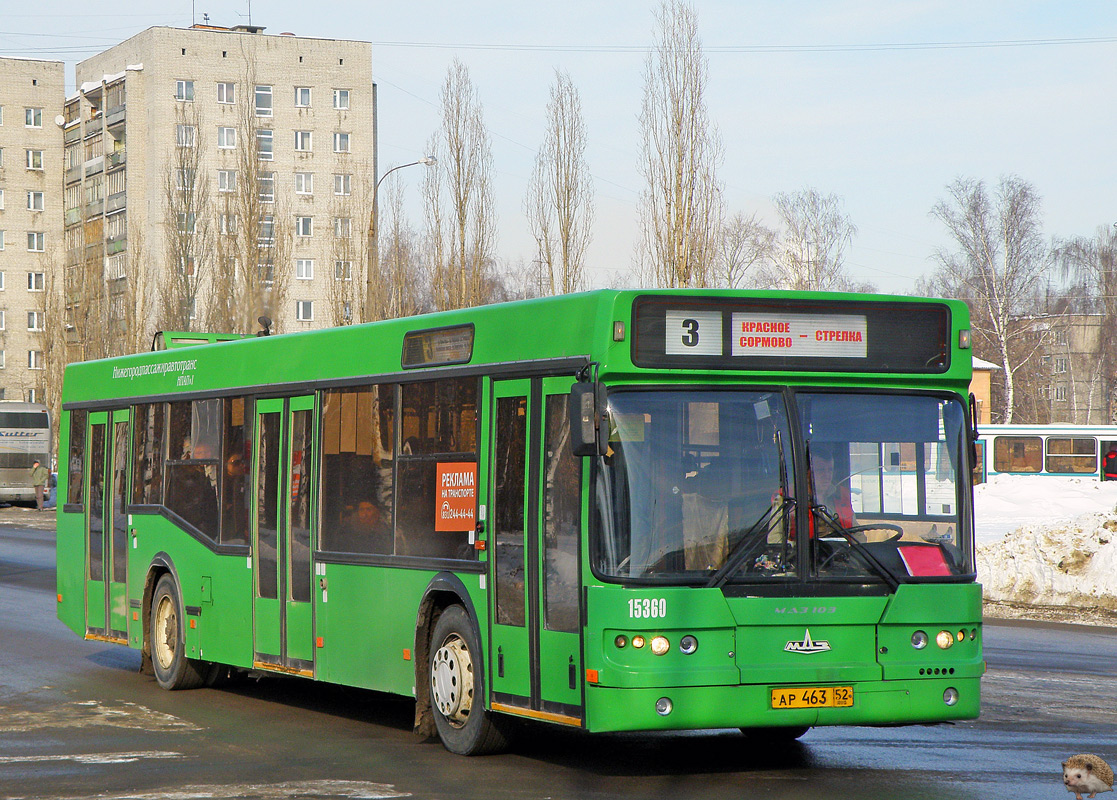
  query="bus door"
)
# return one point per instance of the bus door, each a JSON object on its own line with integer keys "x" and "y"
{"x": 283, "y": 459}
{"x": 106, "y": 528}
{"x": 535, "y": 522}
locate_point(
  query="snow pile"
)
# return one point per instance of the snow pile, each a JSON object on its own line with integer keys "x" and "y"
{"x": 1046, "y": 541}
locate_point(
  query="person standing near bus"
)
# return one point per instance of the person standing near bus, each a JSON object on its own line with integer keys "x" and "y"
{"x": 39, "y": 478}
{"x": 1109, "y": 466}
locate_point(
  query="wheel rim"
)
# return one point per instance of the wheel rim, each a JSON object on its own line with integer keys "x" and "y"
{"x": 452, "y": 680}
{"x": 165, "y": 639}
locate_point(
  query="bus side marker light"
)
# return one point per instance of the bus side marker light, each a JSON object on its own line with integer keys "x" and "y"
{"x": 591, "y": 676}
{"x": 479, "y": 544}
{"x": 59, "y": 598}
{"x": 406, "y": 654}
{"x": 135, "y": 616}
{"x": 618, "y": 330}
{"x": 319, "y": 643}
{"x": 193, "y": 624}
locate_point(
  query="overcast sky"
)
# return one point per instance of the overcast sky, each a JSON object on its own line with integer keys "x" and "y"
{"x": 879, "y": 102}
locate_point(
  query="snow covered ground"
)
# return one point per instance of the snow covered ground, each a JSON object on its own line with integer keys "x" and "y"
{"x": 1047, "y": 542}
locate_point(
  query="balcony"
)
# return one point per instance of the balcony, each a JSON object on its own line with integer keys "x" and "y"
{"x": 73, "y": 174}
{"x": 94, "y": 165}
{"x": 73, "y": 216}
{"x": 116, "y": 202}
{"x": 115, "y": 159}
{"x": 94, "y": 209}
{"x": 72, "y": 134}
{"x": 114, "y": 116}
{"x": 114, "y": 246}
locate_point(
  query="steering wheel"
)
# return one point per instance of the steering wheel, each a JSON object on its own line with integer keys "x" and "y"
{"x": 879, "y": 526}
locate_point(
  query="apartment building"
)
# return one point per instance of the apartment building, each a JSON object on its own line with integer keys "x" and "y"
{"x": 31, "y": 95}
{"x": 214, "y": 173}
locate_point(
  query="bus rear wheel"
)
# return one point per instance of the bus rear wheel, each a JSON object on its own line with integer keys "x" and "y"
{"x": 173, "y": 670}
{"x": 457, "y": 694}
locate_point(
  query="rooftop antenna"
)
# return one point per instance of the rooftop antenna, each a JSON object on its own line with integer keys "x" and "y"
{"x": 205, "y": 19}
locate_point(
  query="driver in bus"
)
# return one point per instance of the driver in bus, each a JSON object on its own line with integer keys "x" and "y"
{"x": 834, "y": 495}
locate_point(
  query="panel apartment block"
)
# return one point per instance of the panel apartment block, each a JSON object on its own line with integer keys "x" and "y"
{"x": 31, "y": 95}
{"x": 168, "y": 97}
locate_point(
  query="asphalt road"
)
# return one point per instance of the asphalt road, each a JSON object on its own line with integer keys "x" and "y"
{"x": 77, "y": 720}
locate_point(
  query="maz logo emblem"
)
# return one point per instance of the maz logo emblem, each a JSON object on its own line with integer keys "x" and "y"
{"x": 807, "y": 645}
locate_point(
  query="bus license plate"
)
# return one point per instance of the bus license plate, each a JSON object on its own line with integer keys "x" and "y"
{"x": 813, "y": 697}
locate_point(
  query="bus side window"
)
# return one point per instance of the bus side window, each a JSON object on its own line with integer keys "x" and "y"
{"x": 75, "y": 470}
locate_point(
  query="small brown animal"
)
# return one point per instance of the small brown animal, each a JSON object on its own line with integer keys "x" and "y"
{"x": 1087, "y": 773}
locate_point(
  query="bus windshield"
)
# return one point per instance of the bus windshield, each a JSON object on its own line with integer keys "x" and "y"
{"x": 699, "y": 486}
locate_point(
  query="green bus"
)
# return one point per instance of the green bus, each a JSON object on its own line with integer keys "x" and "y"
{"x": 616, "y": 511}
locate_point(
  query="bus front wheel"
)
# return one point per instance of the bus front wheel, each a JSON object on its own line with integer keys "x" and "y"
{"x": 173, "y": 670}
{"x": 457, "y": 697}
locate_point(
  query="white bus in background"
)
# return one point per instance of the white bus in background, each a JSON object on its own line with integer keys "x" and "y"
{"x": 24, "y": 439}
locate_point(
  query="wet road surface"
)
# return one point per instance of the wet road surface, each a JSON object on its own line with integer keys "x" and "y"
{"x": 77, "y": 720}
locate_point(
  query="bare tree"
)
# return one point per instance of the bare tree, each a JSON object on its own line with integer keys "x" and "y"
{"x": 458, "y": 195}
{"x": 251, "y": 277}
{"x": 187, "y": 228}
{"x": 402, "y": 278}
{"x": 346, "y": 273}
{"x": 745, "y": 247}
{"x": 1092, "y": 264}
{"x": 559, "y": 202}
{"x": 999, "y": 263}
{"x": 681, "y": 206}
{"x": 814, "y": 234}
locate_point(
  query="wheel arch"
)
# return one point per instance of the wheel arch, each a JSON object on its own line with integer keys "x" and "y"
{"x": 444, "y": 590}
{"x": 161, "y": 564}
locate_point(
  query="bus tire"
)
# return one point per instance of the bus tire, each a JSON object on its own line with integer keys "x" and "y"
{"x": 457, "y": 688}
{"x": 173, "y": 670}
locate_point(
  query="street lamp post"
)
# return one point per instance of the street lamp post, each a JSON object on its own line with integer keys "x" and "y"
{"x": 374, "y": 233}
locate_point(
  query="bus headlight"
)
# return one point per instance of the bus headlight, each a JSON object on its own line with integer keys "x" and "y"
{"x": 660, "y": 645}
{"x": 945, "y": 640}
{"x": 919, "y": 640}
{"x": 688, "y": 644}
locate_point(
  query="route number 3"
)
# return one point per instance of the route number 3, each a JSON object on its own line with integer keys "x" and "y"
{"x": 690, "y": 332}
{"x": 693, "y": 333}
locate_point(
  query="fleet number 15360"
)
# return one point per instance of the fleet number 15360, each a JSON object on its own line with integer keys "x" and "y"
{"x": 647, "y": 607}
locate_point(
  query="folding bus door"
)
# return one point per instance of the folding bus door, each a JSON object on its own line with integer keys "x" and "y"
{"x": 535, "y": 529}
{"x": 283, "y": 458}
{"x": 106, "y": 529}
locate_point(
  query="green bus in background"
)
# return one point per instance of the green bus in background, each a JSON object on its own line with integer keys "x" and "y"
{"x": 617, "y": 511}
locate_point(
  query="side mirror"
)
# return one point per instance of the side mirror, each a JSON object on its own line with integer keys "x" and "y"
{"x": 587, "y": 412}
{"x": 973, "y": 432}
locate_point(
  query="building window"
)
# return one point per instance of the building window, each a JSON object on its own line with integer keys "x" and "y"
{"x": 263, "y": 101}
{"x": 34, "y": 201}
{"x": 3, "y": 321}
{"x": 342, "y": 226}
{"x": 36, "y": 281}
{"x": 34, "y": 159}
{"x": 2, "y": 364}
{"x": 226, "y": 180}
{"x": 341, "y": 99}
{"x": 1, "y": 280}
{"x": 267, "y": 230}
{"x": 304, "y": 269}
{"x": 1, "y": 199}
{"x": 302, "y": 141}
{"x": 341, "y": 142}
{"x": 227, "y": 224}
{"x": 186, "y": 266}
{"x": 184, "y": 91}
{"x": 36, "y": 241}
{"x": 226, "y": 138}
{"x": 184, "y": 179}
{"x": 343, "y": 184}
{"x": 226, "y": 93}
{"x": 304, "y": 183}
{"x": 1061, "y": 393}
{"x": 343, "y": 270}
{"x": 304, "y": 226}
{"x": 302, "y": 97}
{"x": 33, "y": 118}
{"x": 1, "y": 240}
{"x": 184, "y": 135}
{"x": 185, "y": 222}
{"x": 34, "y": 359}
{"x": 267, "y": 187}
{"x": 265, "y": 144}
{"x": 304, "y": 310}
{"x": 1060, "y": 364}
{"x": 34, "y": 320}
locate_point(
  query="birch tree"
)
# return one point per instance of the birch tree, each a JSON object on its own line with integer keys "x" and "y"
{"x": 746, "y": 247}
{"x": 681, "y": 206}
{"x": 999, "y": 262}
{"x": 809, "y": 253}
{"x": 559, "y": 201}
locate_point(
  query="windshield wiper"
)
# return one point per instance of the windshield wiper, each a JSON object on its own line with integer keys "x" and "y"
{"x": 749, "y": 543}
{"x": 859, "y": 548}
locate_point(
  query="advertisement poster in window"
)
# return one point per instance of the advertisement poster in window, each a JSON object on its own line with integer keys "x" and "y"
{"x": 456, "y": 498}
